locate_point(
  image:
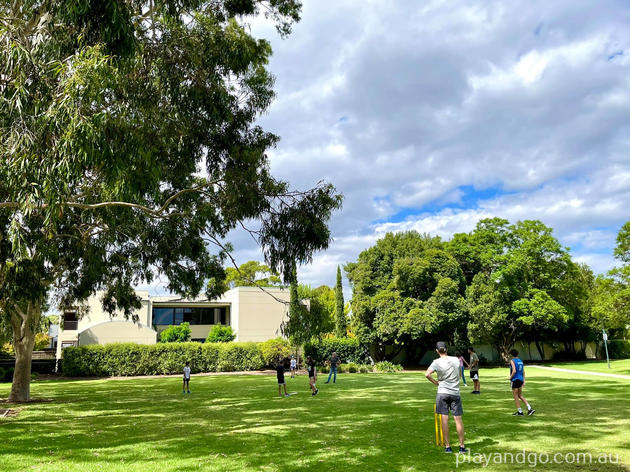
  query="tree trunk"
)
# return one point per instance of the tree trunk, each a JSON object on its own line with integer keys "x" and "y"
{"x": 24, "y": 323}
{"x": 541, "y": 350}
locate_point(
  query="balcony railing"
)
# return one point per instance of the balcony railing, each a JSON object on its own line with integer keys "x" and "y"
{"x": 70, "y": 325}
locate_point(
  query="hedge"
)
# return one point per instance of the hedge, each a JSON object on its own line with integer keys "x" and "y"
{"x": 619, "y": 349}
{"x": 126, "y": 359}
{"x": 348, "y": 350}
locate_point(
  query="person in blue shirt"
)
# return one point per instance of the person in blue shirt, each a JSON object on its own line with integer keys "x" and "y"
{"x": 517, "y": 377}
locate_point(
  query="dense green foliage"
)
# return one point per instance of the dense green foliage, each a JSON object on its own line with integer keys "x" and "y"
{"x": 220, "y": 334}
{"x": 348, "y": 350}
{"x": 340, "y": 314}
{"x": 139, "y": 359}
{"x": 251, "y": 274}
{"x": 499, "y": 284}
{"x": 176, "y": 334}
{"x": 129, "y": 149}
{"x": 619, "y": 349}
{"x": 306, "y": 322}
{"x": 275, "y": 350}
{"x": 387, "y": 367}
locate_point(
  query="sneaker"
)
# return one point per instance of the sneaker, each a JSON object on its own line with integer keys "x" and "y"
{"x": 316, "y": 391}
{"x": 531, "y": 412}
{"x": 325, "y": 382}
{"x": 518, "y": 413}
{"x": 188, "y": 391}
{"x": 462, "y": 450}
{"x": 286, "y": 395}
{"x": 448, "y": 450}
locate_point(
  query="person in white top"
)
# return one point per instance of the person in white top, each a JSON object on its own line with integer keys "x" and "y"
{"x": 293, "y": 367}
{"x": 186, "y": 387}
{"x": 448, "y": 398}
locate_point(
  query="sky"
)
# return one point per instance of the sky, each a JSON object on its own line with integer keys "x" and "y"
{"x": 430, "y": 115}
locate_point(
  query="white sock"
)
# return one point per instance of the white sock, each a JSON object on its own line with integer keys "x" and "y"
{"x": 528, "y": 406}
{"x": 520, "y": 410}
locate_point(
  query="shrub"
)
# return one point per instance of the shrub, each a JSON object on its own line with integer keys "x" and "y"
{"x": 568, "y": 356}
{"x": 353, "y": 368}
{"x": 387, "y": 367}
{"x": 323, "y": 369}
{"x": 618, "y": 349}
{"x": 242, "y": 356}
{"x": 2, "y": 374}
{"x": 364, "y": 369}
{"x": 7, "y": 375}
{"x": 273, "y": 349}
{"x": 221, "y": 334}
{"x": 348, "y": 350}
{"x": 176, "y": 334}
{"x": 164, "y": 358}
{"x": 42, "y": 341}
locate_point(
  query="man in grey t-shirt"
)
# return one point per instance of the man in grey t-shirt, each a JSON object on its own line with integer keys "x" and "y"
{"x": 448, "y": 398}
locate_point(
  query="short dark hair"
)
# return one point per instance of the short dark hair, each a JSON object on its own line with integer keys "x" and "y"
{"x": 514, "y": 353}
{"x": 471, "y": 349}
{"x": 187, "y": 362}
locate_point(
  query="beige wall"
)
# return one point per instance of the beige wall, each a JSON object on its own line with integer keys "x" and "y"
{"x": 260, "y": 314}
{"x": 95, "y": 313}
{"x": 117, "y": 332}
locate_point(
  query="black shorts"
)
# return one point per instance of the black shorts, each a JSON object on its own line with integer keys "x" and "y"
{"x": 474, "y": 374}
{"x": 517, "y": 383}
{"x": 445, "y": 402}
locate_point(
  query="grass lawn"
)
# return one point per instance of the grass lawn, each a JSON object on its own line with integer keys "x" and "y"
{"x": 616, "y": 366}
{"x": 365, "y": 422}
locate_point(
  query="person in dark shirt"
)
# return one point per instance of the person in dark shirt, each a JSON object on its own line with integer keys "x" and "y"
{"x": 312, "y": 374}
{"x": 333, "y": 361}
{"x": 280, "y": 374}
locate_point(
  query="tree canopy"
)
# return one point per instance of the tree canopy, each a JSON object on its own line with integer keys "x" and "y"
{"x": 497, "y": 284}
{"x": 129, "y": 148}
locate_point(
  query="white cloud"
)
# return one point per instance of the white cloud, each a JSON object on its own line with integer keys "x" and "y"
{"x": 452, "y": 112}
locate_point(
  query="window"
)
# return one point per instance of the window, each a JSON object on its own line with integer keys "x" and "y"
{"x": 163, "y": 316}
{"x": 70, "y": 321}
{"x": 192, "y": 315}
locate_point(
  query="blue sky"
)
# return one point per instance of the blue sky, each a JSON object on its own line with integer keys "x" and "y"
{"x": 432, "y": 115}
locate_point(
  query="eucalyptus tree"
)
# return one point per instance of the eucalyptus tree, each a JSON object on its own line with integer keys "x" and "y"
{"x": 129, "y": 145}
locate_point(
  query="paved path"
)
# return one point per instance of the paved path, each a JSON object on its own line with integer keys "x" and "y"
{"x": 587, "y": 372}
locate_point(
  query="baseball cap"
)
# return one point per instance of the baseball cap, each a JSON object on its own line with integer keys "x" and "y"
{"x": 440, "y": 345}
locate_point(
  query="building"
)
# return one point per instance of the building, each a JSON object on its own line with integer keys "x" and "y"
{"x": 254, "y": 314}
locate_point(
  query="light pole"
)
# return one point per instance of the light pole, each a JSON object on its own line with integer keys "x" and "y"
{"x": 605, "y": 337}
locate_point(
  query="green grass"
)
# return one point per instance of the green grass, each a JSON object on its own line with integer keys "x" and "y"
{"x": 616, "y": 366}
{"x": 365, "y": 422}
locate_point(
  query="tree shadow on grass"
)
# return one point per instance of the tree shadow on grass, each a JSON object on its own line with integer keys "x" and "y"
{"x": 361, "y": 423}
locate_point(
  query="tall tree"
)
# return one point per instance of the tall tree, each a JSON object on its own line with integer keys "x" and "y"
{"x": 611, "y": 296}
{"x": 407, "y": 291}
{"x": 251, "y": 274}
{"x": 341, "y": 328}
{"x": 515, "y": 292}
{"x": 128, "y": 145}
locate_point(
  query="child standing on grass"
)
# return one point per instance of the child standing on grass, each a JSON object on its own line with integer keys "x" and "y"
{"x": 474, "y": 370}
{"x": 462, "y": 372}
{"x": 280, "y": 375}
{"x": 186, "y": 387}
{"x": 293, "y": 367}
{"x": 312, "y": 374}
{"x": 517, "y": 377}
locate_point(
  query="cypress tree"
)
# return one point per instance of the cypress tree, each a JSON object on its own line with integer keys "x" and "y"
{"x": 340, "y": 316}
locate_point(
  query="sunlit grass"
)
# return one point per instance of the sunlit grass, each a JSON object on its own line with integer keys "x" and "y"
{"x": 365, "y": 422}
{"x": 616, "y": 366}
